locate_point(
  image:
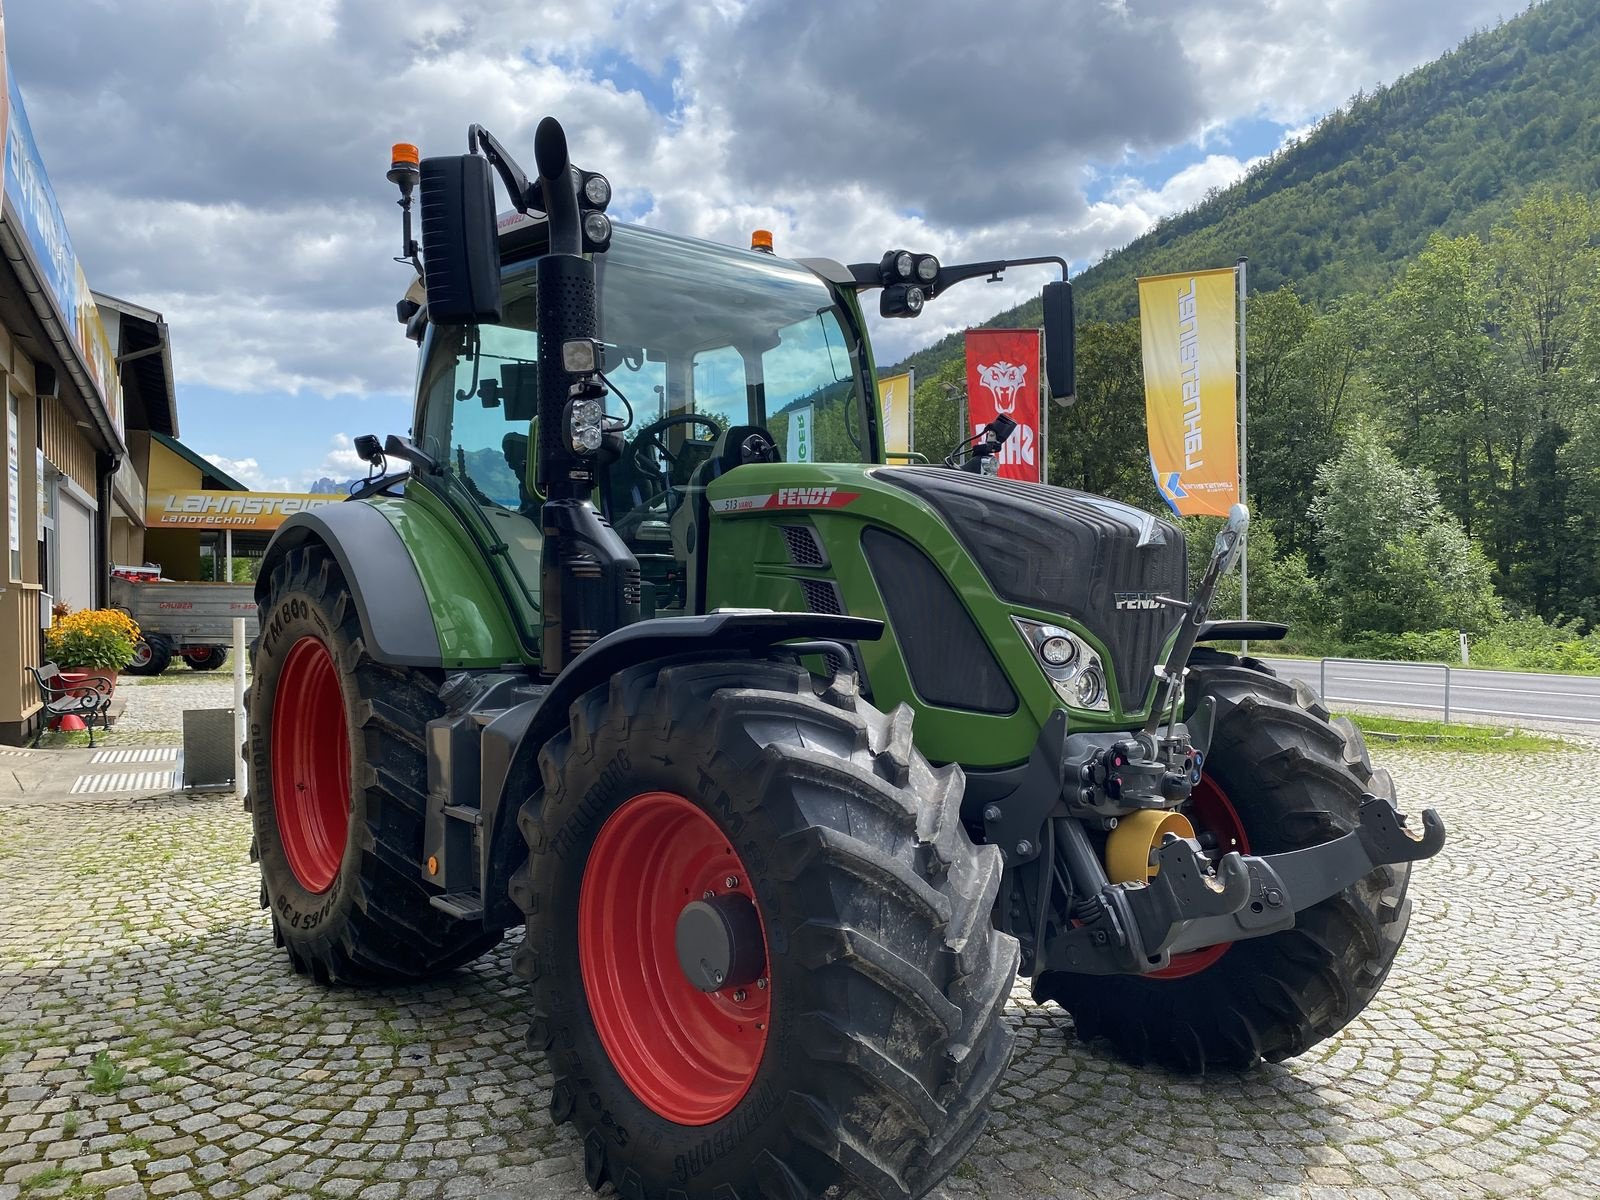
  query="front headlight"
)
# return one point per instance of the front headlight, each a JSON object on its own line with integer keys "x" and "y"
{"x": 585, "y": 424}
{"x": 1070, "y": 663}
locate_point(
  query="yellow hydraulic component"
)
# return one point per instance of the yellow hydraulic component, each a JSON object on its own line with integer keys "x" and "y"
{"x": 1131, "y": 846}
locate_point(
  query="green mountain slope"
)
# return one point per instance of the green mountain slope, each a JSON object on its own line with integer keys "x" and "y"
{"x": 1449, "y": 148}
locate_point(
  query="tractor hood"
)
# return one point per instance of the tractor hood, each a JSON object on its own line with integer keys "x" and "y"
{"x": 1096, "y": 560}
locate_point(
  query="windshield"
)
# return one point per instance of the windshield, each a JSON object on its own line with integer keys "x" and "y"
{"x": 735, "y": 336}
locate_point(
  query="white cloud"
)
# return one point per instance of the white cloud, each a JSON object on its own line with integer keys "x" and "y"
{"x": 224, "y": 164}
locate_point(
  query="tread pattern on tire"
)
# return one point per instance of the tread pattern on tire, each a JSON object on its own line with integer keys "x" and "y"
{"x": 885, "y": 1109}
{"x": 1297, "y": 779}
{"x": 391, "y": 932}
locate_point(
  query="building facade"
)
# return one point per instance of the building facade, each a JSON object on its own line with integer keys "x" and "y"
{"x": 84, "y": 380}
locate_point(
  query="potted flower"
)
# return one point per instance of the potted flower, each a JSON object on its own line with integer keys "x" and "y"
{"x": 96, "y": 641}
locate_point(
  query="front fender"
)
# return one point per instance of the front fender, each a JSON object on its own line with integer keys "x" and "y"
{"x": 512, "y": 741}
{"x": 399, "y": 629}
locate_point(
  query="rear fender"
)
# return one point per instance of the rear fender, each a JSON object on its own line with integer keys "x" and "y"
{"x": 512, "y": 741}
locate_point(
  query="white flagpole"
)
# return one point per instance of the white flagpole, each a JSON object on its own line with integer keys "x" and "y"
{"x": 1045, "y": 402}
{"x": 1244, "y": 447}
{"x": 911, "y": 411}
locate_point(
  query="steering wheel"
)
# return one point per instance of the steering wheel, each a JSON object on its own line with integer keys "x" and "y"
{"x": 649, "y": 438}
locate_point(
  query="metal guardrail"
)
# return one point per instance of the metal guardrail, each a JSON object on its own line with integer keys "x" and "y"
{"x": 1322, "y": 679}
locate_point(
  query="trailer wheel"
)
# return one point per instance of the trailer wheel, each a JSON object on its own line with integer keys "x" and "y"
{"x": 1280, "y": 776}
{"x": 151, "y": 656}
{"x": 208, "y": 658}
{"x": 338, "y": 785}
{"x": 759, "y": 940}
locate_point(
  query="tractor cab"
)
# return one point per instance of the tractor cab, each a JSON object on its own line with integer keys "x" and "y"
{"x": 714, "y": 357}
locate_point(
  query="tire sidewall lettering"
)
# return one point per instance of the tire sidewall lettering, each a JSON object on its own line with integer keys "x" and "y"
{"x": 301, "y": 916}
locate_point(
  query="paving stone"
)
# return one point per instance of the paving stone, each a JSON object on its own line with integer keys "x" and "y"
{"x": 1475, "y": 1072}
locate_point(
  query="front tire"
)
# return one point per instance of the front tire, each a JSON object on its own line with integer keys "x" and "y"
{"x": 1280, "y": 776}
{"x": 338, "y": 788}
{"x": 863, "y": 1054}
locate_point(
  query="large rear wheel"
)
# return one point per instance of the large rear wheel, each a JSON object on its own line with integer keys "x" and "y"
{"x": 759, "y": 940}
{"x": 1280, "y": 776}
{"x": 338, "y": 788}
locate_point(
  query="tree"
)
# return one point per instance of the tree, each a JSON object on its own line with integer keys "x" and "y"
{"x": 1395, "y": 560}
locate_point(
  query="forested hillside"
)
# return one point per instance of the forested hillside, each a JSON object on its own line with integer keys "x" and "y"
{"x": 1424, "y": 385}
{"x": 1449, "y": 148}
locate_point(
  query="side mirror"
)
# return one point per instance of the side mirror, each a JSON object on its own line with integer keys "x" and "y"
{"x": 460, "y": 243}
{"x": 1059, "y": 362}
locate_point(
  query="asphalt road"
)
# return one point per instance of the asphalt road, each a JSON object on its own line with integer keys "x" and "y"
{"x": 1572, "y": 699}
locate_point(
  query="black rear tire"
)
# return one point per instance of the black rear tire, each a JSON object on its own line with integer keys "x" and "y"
{"x": 1296, "y": 779}
{"x": 372, "y": 923}
{"x": 208, "y": 660}
{"x": 888, "y": 982}
{"x": 151, "y": 656}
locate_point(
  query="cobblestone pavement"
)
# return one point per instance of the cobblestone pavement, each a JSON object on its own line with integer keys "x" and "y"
{"x": 152, "y": 1042}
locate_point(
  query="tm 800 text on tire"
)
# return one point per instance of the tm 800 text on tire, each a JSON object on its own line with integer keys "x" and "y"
{"x": 759, "y": 940}
{"x": 338, "y": 785}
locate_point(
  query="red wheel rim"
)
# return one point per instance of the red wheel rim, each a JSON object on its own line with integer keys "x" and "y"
{"x": 1211, "y": 812}
{"x": 311, "y": 765}
{"x": 690, "y": 1056}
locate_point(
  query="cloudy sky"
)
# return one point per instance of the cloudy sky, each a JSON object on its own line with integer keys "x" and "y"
{"x": 223, "y": 161}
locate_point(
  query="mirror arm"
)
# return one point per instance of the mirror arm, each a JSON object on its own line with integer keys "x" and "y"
{"x": 866, "y": 276}
{"x": 514, "y": 177}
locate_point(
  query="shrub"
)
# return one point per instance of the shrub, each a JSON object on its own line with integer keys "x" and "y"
{"x": 101, "y": 638}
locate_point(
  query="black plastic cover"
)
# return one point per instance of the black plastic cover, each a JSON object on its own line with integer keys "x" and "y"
{"x": 1087, "y": 557}
{"x": 945, "y": 654}
{"x": 460, "y": 243}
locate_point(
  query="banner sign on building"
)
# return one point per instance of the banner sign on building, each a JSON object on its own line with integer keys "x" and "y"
{"x": 32, "y": 200}
{"x": 1003, "y": 377}
{"x": 1191, "y": 389}
{"x": 228, "y": 510}
{"x": 894, "y": 399}
{"x": 802, "y": 428}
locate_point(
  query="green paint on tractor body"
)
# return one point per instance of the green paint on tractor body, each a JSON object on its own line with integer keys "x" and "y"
{"x": 751, "y": 567}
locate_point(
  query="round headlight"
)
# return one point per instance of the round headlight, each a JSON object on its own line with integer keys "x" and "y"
{"x": 597, "y": 228}
{"x": 914, "y": 300}
{"x": 1057, "y": 651}
{"x": 904, "y": 264}
{"x": 1089, "y": 688}
{"x": 597, "y": 190}
{"x": 927, "y": 268}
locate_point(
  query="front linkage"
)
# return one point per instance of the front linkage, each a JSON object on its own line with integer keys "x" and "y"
{"x": 1166, "y": 893}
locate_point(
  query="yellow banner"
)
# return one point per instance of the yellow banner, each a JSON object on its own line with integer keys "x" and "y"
{"x": 894, "y": 398}
{"x": 1191, "y": 388}
{"x": 227, "y": 510}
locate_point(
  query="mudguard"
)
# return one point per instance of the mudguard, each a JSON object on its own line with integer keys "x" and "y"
{"x": 511, "y": 742}
{"x": 399, "y": 630}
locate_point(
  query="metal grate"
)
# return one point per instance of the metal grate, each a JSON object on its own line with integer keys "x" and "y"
{"x": 822, "y": 596}
{"x": 805, "y": 549}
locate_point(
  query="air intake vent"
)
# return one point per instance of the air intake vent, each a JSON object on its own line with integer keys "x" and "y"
{"x": 805, "y": 548}
{"x": 945, "y": 654}
{"x": 822, "y": 596}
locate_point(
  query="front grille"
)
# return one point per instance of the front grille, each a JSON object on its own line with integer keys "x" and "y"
{"x": 822, "y": 596}
{"x": 1065, "y": 552}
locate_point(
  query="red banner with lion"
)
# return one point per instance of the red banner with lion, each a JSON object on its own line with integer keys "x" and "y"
{"x": 1003, "y": 377}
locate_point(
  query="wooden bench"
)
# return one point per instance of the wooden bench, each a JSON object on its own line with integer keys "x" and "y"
{"x": 86, "y": 697}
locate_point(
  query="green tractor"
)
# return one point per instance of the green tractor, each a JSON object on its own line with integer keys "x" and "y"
{"x": 785, "y": 769}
